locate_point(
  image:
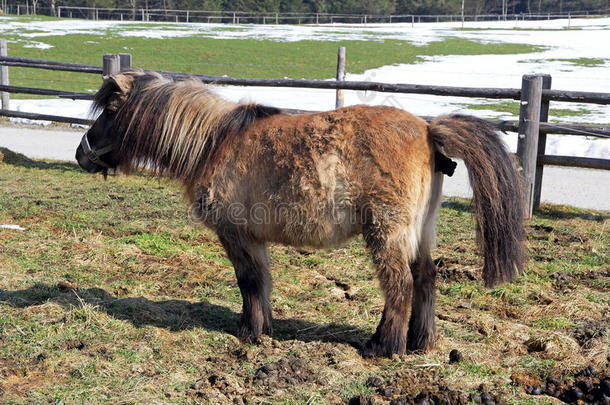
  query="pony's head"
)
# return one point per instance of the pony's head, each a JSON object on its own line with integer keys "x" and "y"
{"x": 98, "y": 149}
{"x": 168, "y": 126}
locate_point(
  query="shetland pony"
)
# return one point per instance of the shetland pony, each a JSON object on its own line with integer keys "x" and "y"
{"x": 255, "y": 175}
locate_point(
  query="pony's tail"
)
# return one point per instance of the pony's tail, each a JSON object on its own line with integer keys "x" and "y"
{"x": 496, "y": 184}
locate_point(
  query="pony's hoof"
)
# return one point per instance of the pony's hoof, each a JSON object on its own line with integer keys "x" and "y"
{"x": 375, "y": 348}
{"x": 246, "y": 335}
{"x": 421, "y": 344}
{"x": 419, "y": 348}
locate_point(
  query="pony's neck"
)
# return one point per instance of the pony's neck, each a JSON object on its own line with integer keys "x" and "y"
{"x": 174, "y": 128}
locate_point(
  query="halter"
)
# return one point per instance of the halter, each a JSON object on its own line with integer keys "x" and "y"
{"x": 95, "y": 154}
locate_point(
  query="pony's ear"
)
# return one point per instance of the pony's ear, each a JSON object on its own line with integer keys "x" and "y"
{"x": 121, "y": 81}
{"x": 114, "y": 91}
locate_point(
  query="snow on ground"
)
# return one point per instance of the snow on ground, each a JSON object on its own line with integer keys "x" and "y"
{"x": 559, "y": 57}
{"x": 419, "y": 33}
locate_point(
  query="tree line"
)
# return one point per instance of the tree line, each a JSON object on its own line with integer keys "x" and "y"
{"x": 377, "y": 7}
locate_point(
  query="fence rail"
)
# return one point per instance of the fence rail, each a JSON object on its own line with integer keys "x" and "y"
{"x": 474, "y": 92}
{"x": 535, "y": 94}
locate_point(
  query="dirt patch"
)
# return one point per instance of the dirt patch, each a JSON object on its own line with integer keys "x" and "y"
{"x": 424, "y": 387}
{"x": 588, "y": 386}
{"x": 597, "y": 279}
{"x": 285, "y": 372}
{"x": 229, "y": 382}
{"x": 17, "y": 378}
{"x": 589, "y": 331}
{"x": 451, "y": 270}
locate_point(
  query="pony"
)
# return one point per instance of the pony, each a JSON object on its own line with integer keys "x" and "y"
{"x": 256, "y": 175}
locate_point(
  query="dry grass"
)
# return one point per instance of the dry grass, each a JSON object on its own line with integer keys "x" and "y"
{"x": 111, "y": 295}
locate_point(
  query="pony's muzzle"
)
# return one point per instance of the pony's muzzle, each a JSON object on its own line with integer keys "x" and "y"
{"x": 85, "y": 163}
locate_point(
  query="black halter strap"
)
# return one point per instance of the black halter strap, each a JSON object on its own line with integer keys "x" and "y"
{"x": 94, "y": 154}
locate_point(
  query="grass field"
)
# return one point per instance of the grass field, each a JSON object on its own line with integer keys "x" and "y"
{"x": 308, "y": 59}
{"x": 112, "y": 295}
{"x": 229, "y": 50}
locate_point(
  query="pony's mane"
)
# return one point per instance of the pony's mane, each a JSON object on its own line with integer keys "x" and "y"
{"x": 175, "y": 127}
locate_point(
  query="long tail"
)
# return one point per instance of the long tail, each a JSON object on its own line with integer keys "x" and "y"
{"x": 496, "y": 184}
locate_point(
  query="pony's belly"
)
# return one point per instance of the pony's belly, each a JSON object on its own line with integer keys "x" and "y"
{"x": 321, "y": 224}
{"x": 322, "y": 229}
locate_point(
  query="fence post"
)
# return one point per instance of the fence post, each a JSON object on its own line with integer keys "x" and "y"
{"x": 111, "y": 65}
{"x": 340, "y": 75}
{"x": 124, "y": 61}
{"x": 544, "y": 117}
{"x": 4, "y": 75}
{"x": 527, "y": 144}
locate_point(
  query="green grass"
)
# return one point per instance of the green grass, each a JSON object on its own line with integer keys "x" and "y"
{"x": 233, "y": 57}
{"x": 511, "y": 108}
{"x": 162, "y": 245}
{"x": 555, "y": 323}
{"x": 585, "y": 62}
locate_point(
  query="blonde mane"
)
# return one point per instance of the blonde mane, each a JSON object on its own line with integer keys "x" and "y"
{"x": 173, "y": 127}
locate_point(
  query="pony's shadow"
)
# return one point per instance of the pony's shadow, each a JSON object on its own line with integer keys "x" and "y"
{"x": 563, "y": 212}
{"x": 458, "y": 205}
{"x": 546, "y": 212}
{"x": 20, "y": 160}
{"x": 177, "y": 315}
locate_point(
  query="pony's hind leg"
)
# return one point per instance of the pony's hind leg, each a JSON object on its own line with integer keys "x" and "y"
{"x": 390, "y": 256}
{"x": 422, "y": 329}
{"x": 250, "y": 259}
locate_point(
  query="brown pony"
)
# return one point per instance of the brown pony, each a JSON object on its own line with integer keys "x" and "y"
{"x": 256, "y": 175}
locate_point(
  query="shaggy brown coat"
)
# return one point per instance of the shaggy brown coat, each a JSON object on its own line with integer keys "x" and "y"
{"x": 255, "y": 176}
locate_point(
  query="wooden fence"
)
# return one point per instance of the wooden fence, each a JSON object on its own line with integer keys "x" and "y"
{"x": 534, "y": 95}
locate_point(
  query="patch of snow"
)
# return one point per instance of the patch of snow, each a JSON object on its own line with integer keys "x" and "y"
{"x": 10, "y": 226}
{"x": 39, "y": 45}
{"x": 63, "y": 107}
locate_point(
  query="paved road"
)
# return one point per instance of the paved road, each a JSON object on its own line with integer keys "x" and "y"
{"x": 570, "y": 186}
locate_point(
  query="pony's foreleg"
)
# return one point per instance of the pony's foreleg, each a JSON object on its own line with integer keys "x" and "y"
{"x": 251, "y": 262}
{"x": 422, "y": 327}
{"x": 392, "y": 265}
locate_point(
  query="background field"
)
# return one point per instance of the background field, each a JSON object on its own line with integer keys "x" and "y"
{"x": 112, "y": 295}
{"x": 477, "y": 56}
{"x": 261, "y": 58}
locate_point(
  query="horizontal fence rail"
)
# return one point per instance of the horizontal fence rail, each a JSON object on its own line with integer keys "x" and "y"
{"x": 478, "y": 92}
{"x": 45, "y": 117}
{"x": 574, "y": 161}
{"x": 46, "y": 92}
{"x": 531, "y": 99}
{"x": 50, "y": 65}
